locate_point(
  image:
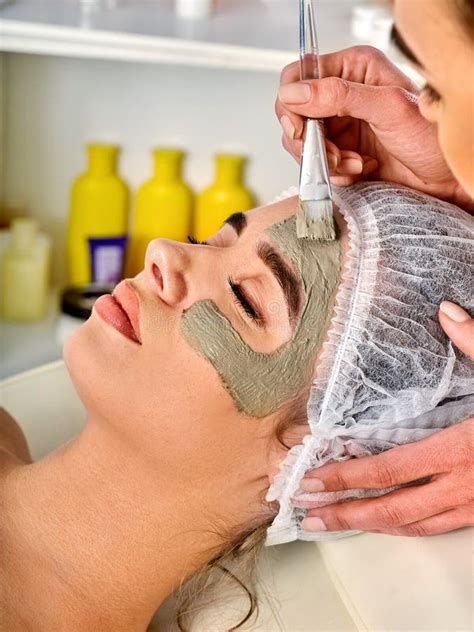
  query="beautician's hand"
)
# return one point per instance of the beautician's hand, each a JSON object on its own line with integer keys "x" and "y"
{"x": 459, "y": 326}
{"x": 374, "y": 127}
{"x": 444, "y": 504}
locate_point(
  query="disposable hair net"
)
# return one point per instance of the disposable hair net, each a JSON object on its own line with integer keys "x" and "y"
{"x": 388, "y": 374}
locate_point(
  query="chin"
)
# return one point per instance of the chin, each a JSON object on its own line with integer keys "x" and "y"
{"x": 81, "y": 355}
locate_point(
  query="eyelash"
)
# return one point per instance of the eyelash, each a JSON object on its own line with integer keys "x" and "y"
{"x": 240, "y": 298}
{"x": 431, "y": 94}
{"x": 238, "y": 295}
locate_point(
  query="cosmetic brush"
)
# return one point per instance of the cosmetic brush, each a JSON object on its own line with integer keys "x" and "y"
{"x": 314, "y": 219}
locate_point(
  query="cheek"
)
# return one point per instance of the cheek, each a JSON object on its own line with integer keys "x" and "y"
{"x": 103, "y": 369}
{"x": 456, "y": 136}
{"x": 430, "y": 110}
{"x": 157, "y": 391}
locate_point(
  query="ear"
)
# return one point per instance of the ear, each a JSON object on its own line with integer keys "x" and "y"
{"x": 277, "y": 454}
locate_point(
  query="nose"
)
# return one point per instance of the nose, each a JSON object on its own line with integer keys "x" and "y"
{"x": 166, "y": 265}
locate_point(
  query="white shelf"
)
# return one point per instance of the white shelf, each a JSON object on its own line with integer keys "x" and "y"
{"x": 27, "y": 345}
{"x": 259, "y": 35}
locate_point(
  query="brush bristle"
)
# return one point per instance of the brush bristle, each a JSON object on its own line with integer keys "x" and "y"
{"x": 315, "y": 220}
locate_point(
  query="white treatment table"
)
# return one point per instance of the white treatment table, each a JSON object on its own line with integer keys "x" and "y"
{"x": 367, "y": 582}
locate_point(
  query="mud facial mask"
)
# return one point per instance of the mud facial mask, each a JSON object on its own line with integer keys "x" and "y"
{"x": 260, "y": 383}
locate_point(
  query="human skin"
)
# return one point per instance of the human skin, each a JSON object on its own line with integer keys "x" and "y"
{"x": 98, "y": 533}
{"x": 382, "y": 128}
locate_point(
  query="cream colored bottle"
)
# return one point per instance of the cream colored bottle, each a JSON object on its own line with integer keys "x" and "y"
{"x": 26, "y": 266}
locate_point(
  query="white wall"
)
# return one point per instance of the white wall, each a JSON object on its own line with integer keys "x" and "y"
{"x": 2, "y": 125}
{"x": 55, "y": 105}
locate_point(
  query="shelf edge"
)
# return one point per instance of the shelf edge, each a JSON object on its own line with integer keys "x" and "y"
{"x": 28, "y": 37}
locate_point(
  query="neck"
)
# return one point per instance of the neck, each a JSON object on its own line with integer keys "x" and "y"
{"x": 97, "y": 536}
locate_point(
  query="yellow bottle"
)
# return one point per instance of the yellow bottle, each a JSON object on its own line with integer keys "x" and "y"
{"x": 227, "y": 195}
{"x": 163, "y": 207}
{"x": 26, "y": 266}
{"x": 98, "y": 220}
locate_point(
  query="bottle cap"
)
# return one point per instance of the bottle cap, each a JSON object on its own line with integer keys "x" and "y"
{"x": 24, "y": 231}
{"x": 193, "y": 8}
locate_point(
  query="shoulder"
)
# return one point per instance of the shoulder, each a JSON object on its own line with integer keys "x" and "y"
{"x": 13, "y": 444}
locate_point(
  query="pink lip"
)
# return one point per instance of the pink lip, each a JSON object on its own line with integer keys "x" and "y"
{"x": 121, "y": 310}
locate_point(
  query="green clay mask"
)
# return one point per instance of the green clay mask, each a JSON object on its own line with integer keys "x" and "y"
{"x": 260, "y": 383}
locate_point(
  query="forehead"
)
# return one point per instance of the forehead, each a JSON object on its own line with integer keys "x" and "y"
{"x": 261, "y": 218}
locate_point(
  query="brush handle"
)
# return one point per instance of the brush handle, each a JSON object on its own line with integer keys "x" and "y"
{"x": 314, "y": 171}
{"x": 309, "y": 66}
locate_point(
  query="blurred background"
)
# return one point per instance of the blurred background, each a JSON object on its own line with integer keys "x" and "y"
{"x": 166, "y": 109}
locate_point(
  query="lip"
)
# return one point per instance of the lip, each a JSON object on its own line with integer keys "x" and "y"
{"x": 121, "y": 310}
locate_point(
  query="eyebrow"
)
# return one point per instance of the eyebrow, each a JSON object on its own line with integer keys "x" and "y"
{"x": 403, "y": 47}
{"x": 286, "y": 278}
{"x": 238, "y": 221}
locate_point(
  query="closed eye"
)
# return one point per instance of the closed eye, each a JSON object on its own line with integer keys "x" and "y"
{"x": 242, "y": 301}
{"x": 193, "y": 240}
{"x": 432, "y": 95}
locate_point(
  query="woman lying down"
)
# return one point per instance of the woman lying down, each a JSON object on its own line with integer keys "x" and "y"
{"x": 231, "y": 369}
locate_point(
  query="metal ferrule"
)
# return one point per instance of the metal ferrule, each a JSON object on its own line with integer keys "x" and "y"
{"x": 314, "y": 171}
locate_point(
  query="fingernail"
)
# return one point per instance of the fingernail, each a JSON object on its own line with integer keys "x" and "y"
{"x": 453, "y": 311}
{"x": 332, "y": 161}
{"x": 312, "y": 485}
{"x": 351, "y": 166}
{"x": 313, "y": 524}
{"x": 287, "y": 126}
{"x": 295, "y": 93}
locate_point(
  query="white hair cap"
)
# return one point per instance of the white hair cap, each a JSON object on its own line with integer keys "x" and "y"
{"x": 388, "y": 374}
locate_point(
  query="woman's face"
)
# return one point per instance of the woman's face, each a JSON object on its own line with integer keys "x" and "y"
{"x": 169, "y": 384}
{"x": 433, "y": 31}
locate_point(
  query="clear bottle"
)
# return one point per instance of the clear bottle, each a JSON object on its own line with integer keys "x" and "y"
{"x": 226, "y": 195}
{"x": 98, "y": 220}
{"x": 163, "y": 207}
{"x": 26, "y": 268}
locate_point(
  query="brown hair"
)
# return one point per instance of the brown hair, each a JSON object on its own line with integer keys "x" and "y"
{"x": 234, "y": 564}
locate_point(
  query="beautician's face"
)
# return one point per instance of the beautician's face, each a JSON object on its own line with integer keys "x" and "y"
{"x": 163, "y": 391}
{"x": 433, "y": 32}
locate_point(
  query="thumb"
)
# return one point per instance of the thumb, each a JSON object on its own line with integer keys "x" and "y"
{"x": 459, "y": 326}
{"x": 381, "y": 106}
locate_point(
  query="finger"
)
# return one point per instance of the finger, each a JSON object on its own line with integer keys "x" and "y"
{"x": 362, "y": 64}
{"x": 344, "y": 181}
{"x": 291, "y": 73}
{"x": 389, "y": 511}
{"x": 293, "y": 147}
{"x": 295, "y": 120}
{"x": 382, "y": 107}
{"x": 293, "y": 127}
{"x": 333, "y": 154}
{"x": 459, "y": 326}
{"x": 434, "y": 525}
{"x": 402, "y": 464}
{"x": 370, "y": 165}
{"x": 352, "y": 163}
